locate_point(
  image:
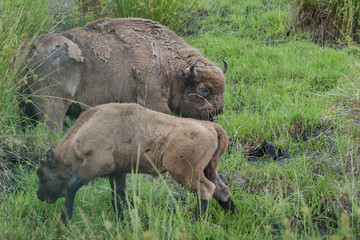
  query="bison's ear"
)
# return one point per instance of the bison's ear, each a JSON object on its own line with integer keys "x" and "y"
{"x": 50, "y": 157}
{"x": 190, "y": 75}
{"x": 183, "y": 77}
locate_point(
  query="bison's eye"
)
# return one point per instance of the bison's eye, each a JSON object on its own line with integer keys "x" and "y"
{"x": 204, "y": 92}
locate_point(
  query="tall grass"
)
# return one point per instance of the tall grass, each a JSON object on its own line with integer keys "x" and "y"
{"x": 171, "y": 13}
{"x": 73, "y": 13}
{"x": 340, "y": 17}
{"x": 346, "y": 106}
{"x": 347, "y": 18}
{"x": 19, "y": 19}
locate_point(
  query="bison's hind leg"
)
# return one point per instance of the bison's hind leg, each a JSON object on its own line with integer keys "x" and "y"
{"x": 195, "y": 182}
{"x": 222, "y": 193}
{"x": 206, "y": 189}
{"x": 118, "y": 185}
{"x": 223, "y": 196}
{"x": 187, "y": 168}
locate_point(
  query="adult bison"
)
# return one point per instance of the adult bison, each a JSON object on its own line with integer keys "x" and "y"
{"x": 118, "y": 60}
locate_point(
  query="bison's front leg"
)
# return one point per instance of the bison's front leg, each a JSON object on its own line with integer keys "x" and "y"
{"x": 72, "y": 187}
{"x": 118, "y": 185}
{"x": 52, "y": 111}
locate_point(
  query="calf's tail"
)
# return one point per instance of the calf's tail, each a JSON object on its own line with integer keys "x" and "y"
{"x": 222, "y": 193}
{"x": 222, "y": 145}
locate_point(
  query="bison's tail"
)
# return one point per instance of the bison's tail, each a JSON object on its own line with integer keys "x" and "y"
{"x": 221, "y": 193}
{"x": 222, "y": 145}
{"x": 211, "y": 169}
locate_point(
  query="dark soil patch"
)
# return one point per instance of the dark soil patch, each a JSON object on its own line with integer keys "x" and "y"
{"x": 266, "y": 151}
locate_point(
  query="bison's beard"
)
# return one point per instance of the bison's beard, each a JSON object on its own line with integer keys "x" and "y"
{"x": 204, "y": 115}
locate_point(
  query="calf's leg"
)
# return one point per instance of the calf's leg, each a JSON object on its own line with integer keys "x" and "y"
{"x": 87, "y": 172}
{"x": 222, "y": 193}
{"x": 196, "y": 181}
{"x": 206, "y": 189}
{"x": 188, "y": 170}
{"x": 118, "y": 185}
{"x": 73, "y": 186}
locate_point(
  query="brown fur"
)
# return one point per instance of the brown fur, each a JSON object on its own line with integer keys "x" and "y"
{"x": 118, "y": 60}
{"x": 106, "y": 139}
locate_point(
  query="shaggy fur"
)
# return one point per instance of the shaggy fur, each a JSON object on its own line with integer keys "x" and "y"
{"x": 106, "y": 141}
{"x": 118, "y": 60}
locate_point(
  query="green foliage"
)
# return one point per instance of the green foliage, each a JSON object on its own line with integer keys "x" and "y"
{"x": 171, "y": 13}
{"x": 347, "y": 18}
{"x": 341, "y": 17}
{"x": 19, "y": 19}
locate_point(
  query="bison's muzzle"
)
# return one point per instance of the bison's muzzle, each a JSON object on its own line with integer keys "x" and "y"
{"x": 48, "y": 199}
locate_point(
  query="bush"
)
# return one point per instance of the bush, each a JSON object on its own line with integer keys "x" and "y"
{"x": 347, "y": 18}
{"x": 329, "y": 21}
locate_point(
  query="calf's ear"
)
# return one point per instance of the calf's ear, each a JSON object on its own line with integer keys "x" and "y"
{"x": 50, "y": 157}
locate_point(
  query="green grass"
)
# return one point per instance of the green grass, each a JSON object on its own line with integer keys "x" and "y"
{"x": 286, "y": 89}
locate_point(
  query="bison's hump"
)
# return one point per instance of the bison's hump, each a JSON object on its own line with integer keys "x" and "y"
{"x": 48, "y": 43}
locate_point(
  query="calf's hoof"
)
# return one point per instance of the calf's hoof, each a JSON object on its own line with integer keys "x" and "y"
{"x": 229, "y": 205}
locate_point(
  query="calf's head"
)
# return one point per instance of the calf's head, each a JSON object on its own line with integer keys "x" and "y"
{"x": 52, "y": 179}
{"x": 203, "y": 87}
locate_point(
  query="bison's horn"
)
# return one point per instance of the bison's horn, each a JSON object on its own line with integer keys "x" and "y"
{"x": 192, "y": 66}
{"x": 225, "y": 66}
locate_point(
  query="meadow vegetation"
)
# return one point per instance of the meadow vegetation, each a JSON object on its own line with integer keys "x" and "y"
{"x": 329, "y": 21}
{"x": 282, "y": 85}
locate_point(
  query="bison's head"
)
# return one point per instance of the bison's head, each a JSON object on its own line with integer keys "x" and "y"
{"x": 202, "y": 90}
{"x": 52, "y": 180}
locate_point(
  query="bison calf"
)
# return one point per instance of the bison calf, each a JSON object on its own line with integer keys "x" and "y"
{"x": 106, "y": 139}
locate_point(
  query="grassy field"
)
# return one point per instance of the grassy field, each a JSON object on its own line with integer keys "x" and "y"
{"x": 280, "y": 87}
